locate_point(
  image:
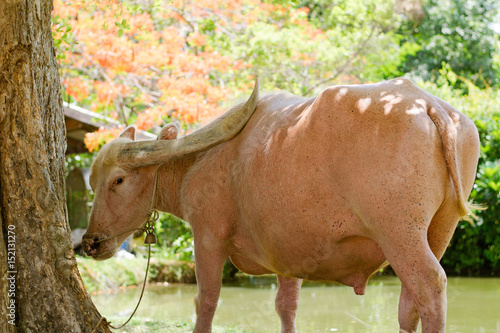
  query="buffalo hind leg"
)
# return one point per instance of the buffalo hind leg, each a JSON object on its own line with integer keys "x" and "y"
{"x": 287, "y": 302}
{"x": 407, "y": 314}
{"x": 208, "y": 267}
{"x": 439, "y": 234}
{"x": 423, "y": 278}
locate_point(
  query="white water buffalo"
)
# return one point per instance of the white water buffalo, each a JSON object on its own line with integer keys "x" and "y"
{"x": 328, "y": 188}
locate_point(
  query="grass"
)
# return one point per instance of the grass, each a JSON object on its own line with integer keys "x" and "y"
{"x": 145, "y": 325}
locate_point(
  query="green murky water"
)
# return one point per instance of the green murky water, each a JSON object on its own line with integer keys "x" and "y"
{"x": 473, "y": 306}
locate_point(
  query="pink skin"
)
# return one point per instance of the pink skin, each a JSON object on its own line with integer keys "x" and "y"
{"x": 330, "y": 188}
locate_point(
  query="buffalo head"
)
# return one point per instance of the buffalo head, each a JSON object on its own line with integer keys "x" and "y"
{"x": 122, "y": 175}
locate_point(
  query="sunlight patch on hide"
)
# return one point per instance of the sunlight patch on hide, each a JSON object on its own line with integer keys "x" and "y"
{"x": 391, "y": 101}
{"x": 455, "y": 117}
{"x": 421, "y": 102}
{"x": 363, "y": 104}
{"x": 342, "y": 92}
{"x": 415, "y": 110}
{"x": 419, "y": 107}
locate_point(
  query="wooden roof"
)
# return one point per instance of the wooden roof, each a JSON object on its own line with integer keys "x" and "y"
{"x": 80, "y": 121}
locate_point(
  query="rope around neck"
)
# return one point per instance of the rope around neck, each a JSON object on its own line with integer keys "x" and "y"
{"x": 149, "y": 239}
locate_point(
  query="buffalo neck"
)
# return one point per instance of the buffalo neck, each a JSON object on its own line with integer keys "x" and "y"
{"x": 170, "y": 178}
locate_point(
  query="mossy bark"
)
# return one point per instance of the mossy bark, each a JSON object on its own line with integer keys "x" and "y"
{"x": 49, "y": 295}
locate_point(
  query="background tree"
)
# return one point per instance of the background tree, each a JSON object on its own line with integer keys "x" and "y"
{"x": 458, "y": 33}
{"x": 49, "y": 295}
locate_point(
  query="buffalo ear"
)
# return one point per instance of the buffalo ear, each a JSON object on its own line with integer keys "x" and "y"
{"x": 128, "y": 133}
{"x": 169, "y": 132}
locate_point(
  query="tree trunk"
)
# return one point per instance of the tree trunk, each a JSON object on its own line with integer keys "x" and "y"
{"x": 40, "y": 284}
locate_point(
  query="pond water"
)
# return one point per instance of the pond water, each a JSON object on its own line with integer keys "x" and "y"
{"x": 473, "y": 306}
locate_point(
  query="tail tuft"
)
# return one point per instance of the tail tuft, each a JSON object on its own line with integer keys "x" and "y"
{"x": 466, "y": 211}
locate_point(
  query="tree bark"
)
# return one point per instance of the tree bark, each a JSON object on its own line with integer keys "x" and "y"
{"x": 48, "y": 294}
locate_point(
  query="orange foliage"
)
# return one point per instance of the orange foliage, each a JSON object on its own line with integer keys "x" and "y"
{"x": 76, "y": 88}
{"x": 108, "y": 91}
{"x": 150, "y": 118}
{"x": 156, "y": 65}
{"x": 104, "y": 135}
{"x": 197, "y": 39}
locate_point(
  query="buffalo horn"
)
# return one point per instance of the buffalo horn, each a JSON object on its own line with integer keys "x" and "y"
{"x": 146, "y": 153}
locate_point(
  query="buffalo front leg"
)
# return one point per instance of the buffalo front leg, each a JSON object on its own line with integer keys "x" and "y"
{"x": 208, "y": 265}
{"x": 287, "y": 302}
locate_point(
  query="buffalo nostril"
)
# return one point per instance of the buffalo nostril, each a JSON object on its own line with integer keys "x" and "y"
{"x": 94, "y": 246}
{"x": 90, "y": 246}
